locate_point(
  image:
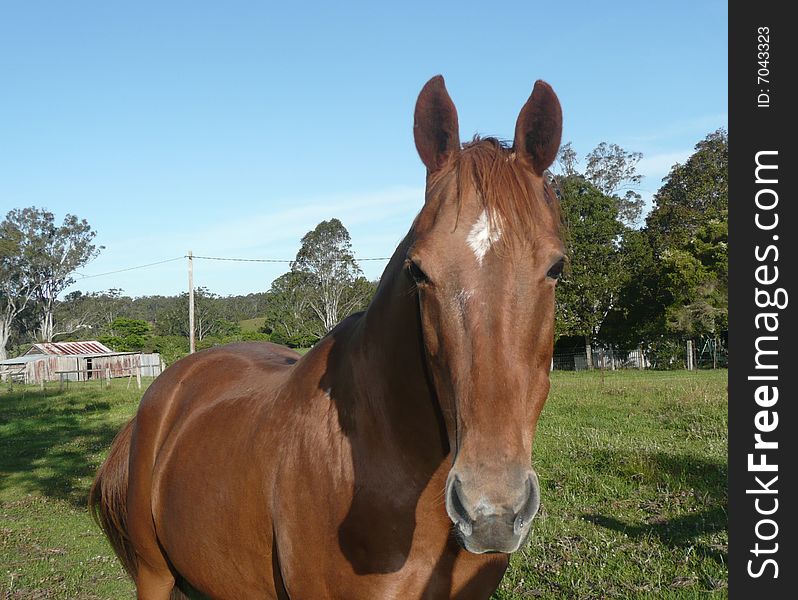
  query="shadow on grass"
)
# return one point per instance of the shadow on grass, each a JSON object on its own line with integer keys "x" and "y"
{"x": 50, "y": 442}
{"x": 706, "y": 480}
{"x": 707, "y": 477}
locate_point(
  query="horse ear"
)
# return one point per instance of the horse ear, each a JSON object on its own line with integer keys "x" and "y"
{"x": 539, "y": 128}
{"x": 435, "y": 127}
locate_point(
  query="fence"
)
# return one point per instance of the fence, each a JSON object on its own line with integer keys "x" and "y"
{"x": 38, "y": 369}
{"x": 664, "y": 354}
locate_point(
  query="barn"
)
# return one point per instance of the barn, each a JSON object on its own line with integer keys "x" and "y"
{"x": 77, "y": 361}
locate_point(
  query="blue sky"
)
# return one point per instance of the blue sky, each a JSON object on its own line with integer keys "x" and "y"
{"x": 233, "y": 128}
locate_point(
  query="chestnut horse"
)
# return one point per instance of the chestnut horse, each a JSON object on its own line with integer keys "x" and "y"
{"x": 393, "y": 460}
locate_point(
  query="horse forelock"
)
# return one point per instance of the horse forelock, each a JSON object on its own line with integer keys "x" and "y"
{"x": 506, "y": 188}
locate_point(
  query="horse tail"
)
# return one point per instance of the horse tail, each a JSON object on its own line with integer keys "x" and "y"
{"x": 108, "y": 499}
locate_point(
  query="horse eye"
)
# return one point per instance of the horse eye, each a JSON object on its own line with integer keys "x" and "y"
{"x": 419, "y": 276}
{"x": 556, "y": 270}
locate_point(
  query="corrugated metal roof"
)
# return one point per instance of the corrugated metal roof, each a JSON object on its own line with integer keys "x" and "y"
{"x": 26, "y": 358}
{"x": 62, "y": 348}
{"x": 21, "y": 360}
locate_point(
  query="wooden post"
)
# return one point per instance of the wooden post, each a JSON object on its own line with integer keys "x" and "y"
{"x": 191, "y": 343}
{"x": 641, "y": 359}
{"x": 689, "y": 355}
{"x": 138, "y": 373}
{"x": 107, "y": 376}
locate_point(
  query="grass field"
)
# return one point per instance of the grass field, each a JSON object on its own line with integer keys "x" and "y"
{"x": 632, "y": 468}
{"x": 252, "y": 325}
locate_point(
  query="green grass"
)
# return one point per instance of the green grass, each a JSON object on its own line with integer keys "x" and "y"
{"x": 633, "y": 476}
{"x": 51, "y": 444}
{"x": 252, "y": 325}
{"x": 632, "y": 468}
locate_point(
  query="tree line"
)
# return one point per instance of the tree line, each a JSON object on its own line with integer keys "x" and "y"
{"x": 38, "y": 260}
{"x": 648, "y": 287}
{"x": 629, "y": 283}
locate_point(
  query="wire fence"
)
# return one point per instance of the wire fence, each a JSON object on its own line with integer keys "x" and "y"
{"x": 663, "y": 355}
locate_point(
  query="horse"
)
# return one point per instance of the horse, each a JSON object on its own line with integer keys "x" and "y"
{"x": 394, "y": 459}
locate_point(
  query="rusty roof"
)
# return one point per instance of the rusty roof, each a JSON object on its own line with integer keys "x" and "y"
{"x": 62, "y": 348}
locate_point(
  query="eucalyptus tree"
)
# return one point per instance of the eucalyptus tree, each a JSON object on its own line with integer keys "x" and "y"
{"x": 332, "y": 276}
{"x": 49, "y": 254}
{"x": 16, "y": 287}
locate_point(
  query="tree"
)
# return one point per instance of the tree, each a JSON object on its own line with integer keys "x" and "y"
{"x": 679, "y": 284}
{"x": 49, "y": 254}
{"x": 613, "y": 171}
{"x": 688, "y": 231}
{"x": 16, "y": 287}
{"x": 331, "y": 273}
{"x": 240, "y": 308}
{"x": 173, "y": 319}
{"x": 590, "y": 286}
{"x": 692, "y": 194}
{"x": 697, "y": 280}
{"x": 127, "y": 335}
{"x": 289, "y": 316}
{"x": 567, "y": 160}
{"x": 638, "y": 314}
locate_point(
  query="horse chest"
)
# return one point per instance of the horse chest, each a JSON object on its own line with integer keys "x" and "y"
{"x": 389, "y": 538}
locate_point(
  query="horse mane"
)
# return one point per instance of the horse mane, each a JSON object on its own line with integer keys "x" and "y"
{"x": 502, "y": 182}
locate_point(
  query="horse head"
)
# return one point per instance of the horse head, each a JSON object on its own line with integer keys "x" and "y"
{"x": 485, "y": 257}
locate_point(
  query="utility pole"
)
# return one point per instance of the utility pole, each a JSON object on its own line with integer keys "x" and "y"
{"x": 191, "y": 344}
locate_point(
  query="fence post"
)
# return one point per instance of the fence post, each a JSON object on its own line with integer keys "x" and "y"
{"x": 689, "y": 355}
{"x": 601, "y": 364}
{"x": 138, "y": 373}
{"x": 107, "y": 376}
{"x": 641, "y": 361}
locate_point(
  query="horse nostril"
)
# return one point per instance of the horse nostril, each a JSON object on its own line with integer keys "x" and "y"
{"x": 519, "y": 524}
{"x": 530, "y": 506}
{"x": 460, "y": 514}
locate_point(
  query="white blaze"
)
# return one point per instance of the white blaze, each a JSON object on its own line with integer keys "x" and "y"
{"x": 482, "y": 236}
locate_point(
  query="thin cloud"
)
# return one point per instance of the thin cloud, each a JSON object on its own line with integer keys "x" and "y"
{"x": 657, "y": 166}
{"x": 376, "y": 220}
{"x": 696, "y": 126}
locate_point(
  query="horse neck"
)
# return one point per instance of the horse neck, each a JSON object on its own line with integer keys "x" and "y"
{"x": 390, "y": 367}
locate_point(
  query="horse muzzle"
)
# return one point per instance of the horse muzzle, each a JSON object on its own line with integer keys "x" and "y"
{"x": 488, "y": 522}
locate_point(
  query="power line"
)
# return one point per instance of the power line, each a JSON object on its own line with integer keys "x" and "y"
{"x": 261, "y": 260}
{"x": 160, "y": 262}
{"x": 282, "y": 260}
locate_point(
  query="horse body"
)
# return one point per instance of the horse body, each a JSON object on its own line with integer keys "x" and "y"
{"x": 249, "y": 471}
{"x": 313, "y": 489}
{"x": 197, "y": 488}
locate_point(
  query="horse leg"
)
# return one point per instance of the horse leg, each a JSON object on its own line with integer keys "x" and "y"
{"x": 154, "y": 583}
